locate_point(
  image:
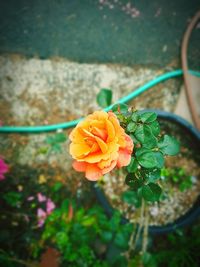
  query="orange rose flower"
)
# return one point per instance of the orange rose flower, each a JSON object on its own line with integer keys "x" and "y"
{"x": 99, "y": 144}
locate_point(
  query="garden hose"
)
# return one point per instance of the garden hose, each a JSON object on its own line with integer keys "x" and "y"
{"x": 188, "y": 88}
{"x": 71, "y": 124}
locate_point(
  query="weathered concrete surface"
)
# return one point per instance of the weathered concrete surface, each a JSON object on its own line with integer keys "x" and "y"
{"x": 118, "y": 31}
{"x": 36, "y": 92}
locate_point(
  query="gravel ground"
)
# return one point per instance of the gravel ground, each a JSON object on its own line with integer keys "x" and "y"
{"x": 163, "y": 212}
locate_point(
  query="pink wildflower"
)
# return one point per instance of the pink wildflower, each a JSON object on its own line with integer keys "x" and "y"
{"x": 41, "y": 214}
{"x": 41, "y": 197}
{"x": 50, "y": 206}
{"x": 3, "y": 169}
{"x": 30, "y": 198}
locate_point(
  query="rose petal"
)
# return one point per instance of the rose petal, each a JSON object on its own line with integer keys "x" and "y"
{"x": 98, "y": 115}
{"x": 95, "y": 148}
{"x": 102, "y": 145}
{"x": 129, "y": 144}
{"x": 123, "y": 159}
{"x": 79, "y": 150}
{"x": 93, "y": 173}
{"x": 111, "y": 131}
{"x": 110, "y": 168}
{"x": 79, "y": 166}
{"x": 100, "y": 133}
{"x": 99, "y": 143}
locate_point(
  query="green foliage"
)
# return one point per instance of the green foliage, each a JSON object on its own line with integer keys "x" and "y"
{"x": 168, "y": 145}
{"x": 12, "y": 198}
{"x": 151, "y": 192}
{"x": 104, "y": 98}
{"x": 148, "y": 117}
{"x": 132, "y": 198}
{"x": 148, "y": 260}
{"x": 133, "y": 181}
{"x": 75, "y": 231}
{"x": 132, "y": 167}
{"x": 178, "y": 177}
{"x": 55, "y": 141}
{"x": 181, "y": 247}
{"x": 150, "y": 149}
{"x": 149, "y": 159}
{"x": 120, "y": 109}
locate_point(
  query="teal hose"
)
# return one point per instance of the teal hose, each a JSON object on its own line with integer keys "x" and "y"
{"x": 71, "y": 124}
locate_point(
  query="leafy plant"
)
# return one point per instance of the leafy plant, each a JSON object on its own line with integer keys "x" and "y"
{"x": 177, "y": 176}
{"x": 55, "y": 142}
{"x": 81, "y": 236}
{"x": 150, "y": 149}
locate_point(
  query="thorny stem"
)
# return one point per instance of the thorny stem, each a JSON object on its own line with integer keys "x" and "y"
{"x": 145, "y": 232}
{"x": 133, "y": 241}
{"x": 140, "y": 225}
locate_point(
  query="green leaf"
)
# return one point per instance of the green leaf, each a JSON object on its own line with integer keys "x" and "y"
{"x": 88, "y": 220}
{"x": 120, "y": 108}
{"x": 135, "y": 141}
{"x": 43, "y": 150}
{"x": 135, "y": 117}
{"x": 60, "y": 138}
{"x": 12, "y": 198}
{"x": 151, "y": 192}
{"x": 104, "y": 98}
{"x": 61, "y": 239}
{"x": 155, "y": 128}
{"x": 106, "y": 236}
{"x": 149, "y": 260}
{"x": 131, "y": 127}
{"x": 121, "y": 240}
{"x": 132, "y": 167}
{"x": 159, "y": 159}
{"x": 141, "y": 132}
{"x": 169, "y": 145}
{"x": 186, "y": 184}
{"x": 144, "y": 135}
{"x": 56, "y": 148}
{"x": 148, "y": 117}
{"x": 57, "y": 138}
{"x": 132, "y": 181}
{"x": 65, "y": 205}
{"x": 49, "y": 140}
{"x": 57, "y": 186}
{"x": 115, "y": 220}
{"x": 131, "y": 198}
{"x": 146, "y": 158}
{"x": 153, "y": 175}
{"x": 120, "y": 261}
{"x": 150, "y": 142}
